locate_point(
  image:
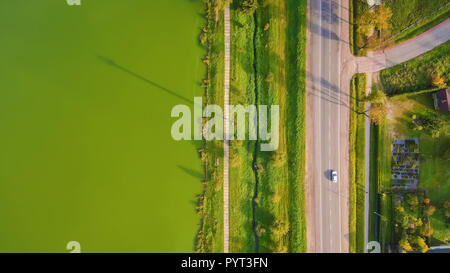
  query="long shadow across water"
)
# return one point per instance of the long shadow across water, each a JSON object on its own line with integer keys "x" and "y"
{"x": 191, "y": 172}
{"x": 112, "y": 63}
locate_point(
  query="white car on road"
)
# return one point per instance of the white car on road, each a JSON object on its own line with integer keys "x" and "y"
{"x": 334, "y": 177}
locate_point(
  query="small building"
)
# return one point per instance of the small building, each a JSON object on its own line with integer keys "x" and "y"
{"x": 441, "y": 100}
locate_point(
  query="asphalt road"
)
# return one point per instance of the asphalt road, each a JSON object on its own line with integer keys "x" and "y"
{"x": 330, "y": 67}
{"x": 327, "y": 129}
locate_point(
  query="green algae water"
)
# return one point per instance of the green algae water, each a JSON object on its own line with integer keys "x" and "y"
{"x": 86, "y": 152}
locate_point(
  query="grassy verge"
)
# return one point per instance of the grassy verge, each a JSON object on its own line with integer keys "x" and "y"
{"x": 374, "y": 167}
{"x": 242, "y": 179}
{"x": 424, "y": 26}
{"x": 421, "y": 15}
{"x": 272, "y": 203}
{"x": 417, "y": 74}
{"x": 357, "y": 162}
{"x": 381, "y": 222}
{"x": 352, "y": 27}
{"x": 296, "y": 111}
{"x": 356, "y": 8}
{"x": 278, "y": 63}
{"x": 210, "y": 204}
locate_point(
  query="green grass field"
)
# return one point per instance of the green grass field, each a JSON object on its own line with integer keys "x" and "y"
{"x": 357, "y": 162}
{"x": 85, "y": 102}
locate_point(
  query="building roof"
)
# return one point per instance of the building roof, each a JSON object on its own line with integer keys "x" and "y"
{"x": 443, "y": 99}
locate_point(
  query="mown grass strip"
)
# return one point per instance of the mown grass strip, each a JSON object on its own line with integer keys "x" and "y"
{"x": 280, "y": 68}
{"x": 272, "y": 202}
{"x": 352, "y": 27}
{"x": 352, "y": 165}
{"x": 380, "y": 227}
{"x": 296, "y": 123}
{"x": 374, "y": 167}
{"x": 356, "y": 8}
{"x": 357, "y": 162}
{"x": 385, "y": 183}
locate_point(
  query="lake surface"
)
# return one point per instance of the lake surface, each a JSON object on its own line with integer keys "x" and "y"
{"x": 85, "y": 99}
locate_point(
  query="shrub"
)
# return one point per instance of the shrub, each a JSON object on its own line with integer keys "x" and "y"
{"x": 377, "y": 113}
{"x": 249, "y": 6}
{"x": 376, "y": 97}
{"x": 420, "y": 244}
{"x": 412, "y": 200}
{"x": 438, "y": 81}
{"x": 427, "y": 230}
{"x": 429, "y": 210}
{"x": 447, "y": 209}
{"x": 405, "y": 245}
